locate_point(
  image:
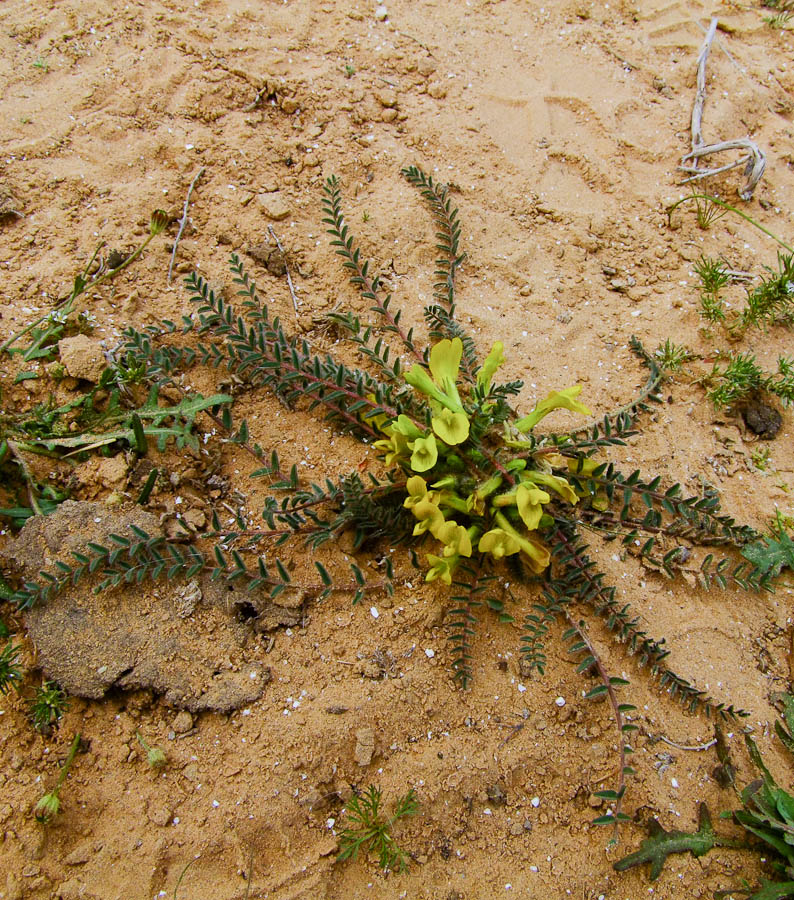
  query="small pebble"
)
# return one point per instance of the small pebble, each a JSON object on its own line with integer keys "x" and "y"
{"x": 430, "y": 653}
{"x": 560, "y": 701}
{"x": 183, "y": 722}
{"x": 535, "y": 802}
{"x": 381, "y": 13}
{"x": 374, "y": 612}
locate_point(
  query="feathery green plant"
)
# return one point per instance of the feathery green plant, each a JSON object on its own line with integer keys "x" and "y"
{"x": 489, "y": 495}
{"x": 742, "y": 376}
{"x": 370, "y": 831}
{"x": 10, "y": 667}
{"x": 47, "y": 706}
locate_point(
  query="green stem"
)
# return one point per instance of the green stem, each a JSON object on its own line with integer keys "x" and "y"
{"x": 79, "y": 288}
{"x": 724, "y": 205}
{"x": 67, "y": 764}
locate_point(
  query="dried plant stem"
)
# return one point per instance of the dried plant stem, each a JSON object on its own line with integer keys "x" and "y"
{"x": 754, "y": 162}
{"x": 694, "y": 747}
{"x": 286, "y": 268}
{"x": 183, "y": 221}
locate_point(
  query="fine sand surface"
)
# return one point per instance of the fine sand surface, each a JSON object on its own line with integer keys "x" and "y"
{"x": 559, "y": 127}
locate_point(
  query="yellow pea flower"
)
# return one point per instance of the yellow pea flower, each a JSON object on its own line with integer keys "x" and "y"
{"x": 498, "y": 543}
{"x": 529, "y": 499}
{"x": 451, "y": 427}
{"x": 565, "y": 399}
{"x": 425, "y": 453}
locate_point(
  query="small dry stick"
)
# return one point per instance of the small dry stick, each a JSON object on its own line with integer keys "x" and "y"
{"x": 755, "y": 161}
{"x": 695, "y": 747}
{"x": 183, "y": 222}
{"x": 286, "y": 268}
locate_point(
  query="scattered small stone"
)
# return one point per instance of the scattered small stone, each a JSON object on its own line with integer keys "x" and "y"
{"x": 82, "y": 357}
{"x": 365, "y": 746}
{"x": 496, "y": 794}
{"x": 183, "y": 722}
{"x": 619, "y": 285}
{"x": 196, "y": 518}
{"x": 437, "y": 90}
{"x": 112, "y": 472}
{"x": 565, "y": 316}
{"x": 187, "y": 598}
{"x": 80, "y": 855}
{"x": 381, "y": 13}
{"x": 387, "y": 97}
{"x": 159, "y": 815}
{"x": 516, "y": 829}
{"x": 274, "y": 206}
{"x": 426, "y": 67}
{"x": 289, "y": 105}
{"x": 609, "y": 271}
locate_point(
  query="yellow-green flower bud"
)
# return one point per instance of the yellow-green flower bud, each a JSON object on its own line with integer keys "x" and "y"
{"x": 47, "y": 808}
{"x": 492, "y": 362}
{"x": 565, "y": 399}
{"x": 159, "y": 221}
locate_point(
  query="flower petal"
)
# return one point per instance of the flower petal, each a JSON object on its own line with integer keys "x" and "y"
{"x": 451, "y": 427}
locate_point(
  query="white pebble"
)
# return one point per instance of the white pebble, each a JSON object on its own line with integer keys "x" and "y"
{"x": 430, "y": 653}
{"x": 381, "y": 13}
{"x": 560, "y": 701}
{"x": 374, "y": 611}
{"x": 674, "y": 782}
{"x": 535, "y": 802}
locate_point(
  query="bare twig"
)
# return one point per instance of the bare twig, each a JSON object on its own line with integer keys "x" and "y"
{"x": 755, "y": 161}
{"x": 412, "y": 38}
{"x": 183, "y": 222}
{"x": 700, "y": 93}
{"x": 286, "y": 268}
{"x": 695, "y": 747}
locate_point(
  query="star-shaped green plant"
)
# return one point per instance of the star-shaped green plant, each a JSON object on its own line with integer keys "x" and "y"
{"x": 464, "y": 477}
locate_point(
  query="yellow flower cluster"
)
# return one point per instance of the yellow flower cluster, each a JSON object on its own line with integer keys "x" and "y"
{"x": 418, "y": 450}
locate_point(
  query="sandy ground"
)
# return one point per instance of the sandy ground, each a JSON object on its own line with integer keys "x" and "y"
{"x": 560, "y": 127}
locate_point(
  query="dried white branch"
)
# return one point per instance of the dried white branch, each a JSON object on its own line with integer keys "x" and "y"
{"x": 286, "y": 268}
{"x": 755, "y": 161}
{"x": 183, "y": 222}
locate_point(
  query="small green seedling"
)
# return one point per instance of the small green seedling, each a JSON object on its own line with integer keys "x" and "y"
{"x": 47, "y": 707}
{"x": 154, "y": 755}
{"x": 369, "y": 830}
{"x": 50, "y": 804}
